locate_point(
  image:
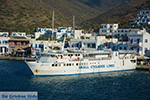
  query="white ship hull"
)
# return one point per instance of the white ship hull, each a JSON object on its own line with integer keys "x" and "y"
{"x": 82, "y": 67}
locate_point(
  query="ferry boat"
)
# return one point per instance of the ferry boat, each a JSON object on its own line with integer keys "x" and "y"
{"x": 81, "y": 62}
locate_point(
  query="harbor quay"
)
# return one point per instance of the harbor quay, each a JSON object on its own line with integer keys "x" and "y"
{"x": 143, "y": 63}
{"x": 143, "y": 67}
{"x": 17, "y": 58}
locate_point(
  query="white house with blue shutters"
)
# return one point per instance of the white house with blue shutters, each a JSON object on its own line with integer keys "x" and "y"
{"x": 22, "y": 34}
{"x": 109, "y": 29}
{"x": 39, "y": 46}
{"x": 62, "y": 32}
{"x": 138, "y": 42}
{"x": 142, "y": 18}
{"x": 43, "y": 32}
{"x": 4, "y": 42}
{"x": 92, "y": 43}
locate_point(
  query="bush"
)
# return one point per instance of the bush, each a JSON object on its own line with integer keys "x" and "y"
{"x": 44, "y": 38}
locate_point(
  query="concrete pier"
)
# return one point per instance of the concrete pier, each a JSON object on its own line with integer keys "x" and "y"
{"x": 17, "y": 58}
{"x": 143, "y": 67}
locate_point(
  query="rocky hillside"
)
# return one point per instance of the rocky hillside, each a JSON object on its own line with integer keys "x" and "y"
{"x": 120, "y": 14}
{"x": 27, "y": 15}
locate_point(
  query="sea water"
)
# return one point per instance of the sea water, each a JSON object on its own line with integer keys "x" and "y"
{"x": 128, "y": 85}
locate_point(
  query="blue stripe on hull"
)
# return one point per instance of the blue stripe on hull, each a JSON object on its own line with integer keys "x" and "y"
{"x": 82, "y": 73}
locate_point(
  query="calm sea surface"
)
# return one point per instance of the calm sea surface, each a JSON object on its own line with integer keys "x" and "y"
{"x": 131, "y": 85}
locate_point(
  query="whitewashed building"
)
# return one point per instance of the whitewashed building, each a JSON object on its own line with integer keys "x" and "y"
{"x": 62, "y": 32}
{"x": 125, "y": 32}
{"x": 80, "y": 33}
{"x": 4, "y": 42}
{"x": 140, "y": 43}
{"x": 14, "y": 34}
{"x": 107, "y": 29}
{"x": 39, "y": 46}
{"x": 43, "y": 32}
{"x": 142, "y": 18}
{"x": 93, "y": 42}
{"x": 42, "y": 45}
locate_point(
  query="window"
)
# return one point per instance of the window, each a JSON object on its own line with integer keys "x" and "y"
{"x": 138, "y": 49}
{"x": 131, "y": 41}
{"x": 138, "y": 40}
{"x": 125, "y": 48}
{"x": 146, "y": 50}
{"x": 120, "y": 48}
{"x": 6, "y": 49}
{"x": 35, "y": 45}
{"x": 146, "y": 41}
{"x": 133, "y": 61}
{"x": 6, "y": 42}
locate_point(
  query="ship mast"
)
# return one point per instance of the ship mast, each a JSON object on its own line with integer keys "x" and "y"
{"x": 53, "y": 25}
{"x": 73, "y": 25}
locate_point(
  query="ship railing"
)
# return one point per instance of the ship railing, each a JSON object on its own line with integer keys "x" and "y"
{"x": 102, "y": 58}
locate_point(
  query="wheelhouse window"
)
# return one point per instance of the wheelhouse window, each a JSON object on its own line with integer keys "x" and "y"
{"x": 133, "y": 61}
{"x": 65, "y": 54}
